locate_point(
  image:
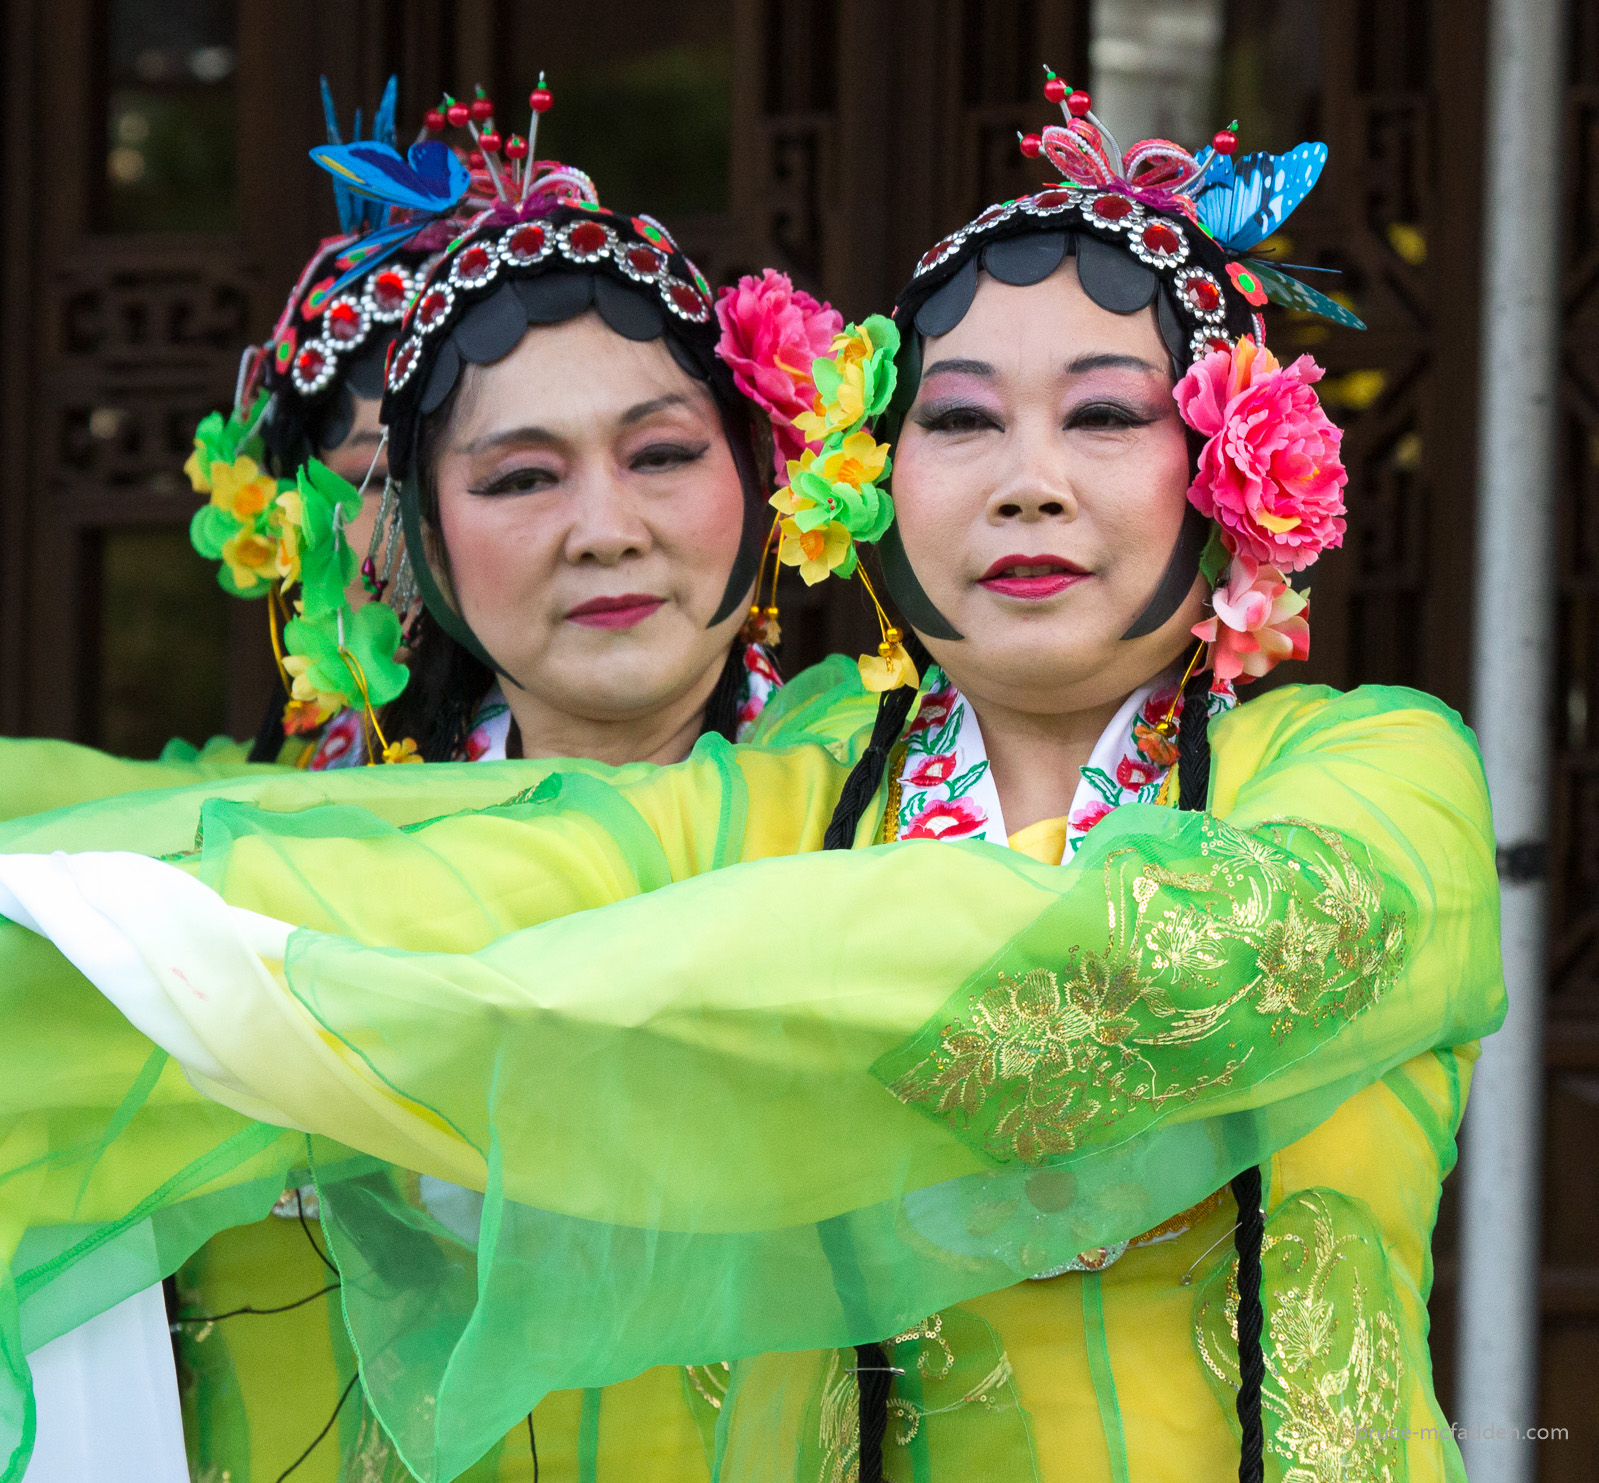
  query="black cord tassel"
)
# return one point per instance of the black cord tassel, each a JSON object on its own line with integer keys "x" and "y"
{"x": 1247, "y": 1238}
{"x": 874, "y": 1378}
{"x": 1193, "y": 744}
{"x": 327, "y": 1427}
{"x": 866, "y": 777}
{"x": 1193, "y": 790}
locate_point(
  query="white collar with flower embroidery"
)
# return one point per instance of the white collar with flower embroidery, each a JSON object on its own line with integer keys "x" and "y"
{"x": 946, "y": 790}
{"x": 341, "y": 742}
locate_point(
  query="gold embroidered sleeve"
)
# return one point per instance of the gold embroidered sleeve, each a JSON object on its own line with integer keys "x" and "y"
{"x": 1181, "y": 966}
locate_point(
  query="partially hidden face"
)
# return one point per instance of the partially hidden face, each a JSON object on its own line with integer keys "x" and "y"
{"x": 352, "y": 459}
{"x": 591, "y": 511}
{"x": 1039, "y": 485}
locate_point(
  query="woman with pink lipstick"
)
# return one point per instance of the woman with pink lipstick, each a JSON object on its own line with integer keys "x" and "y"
{"x": 1103, "y": 1140}
{"x": 578, "y": 439}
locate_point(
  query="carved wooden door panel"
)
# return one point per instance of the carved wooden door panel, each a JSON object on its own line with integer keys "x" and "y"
{"x": 159, "y": 204}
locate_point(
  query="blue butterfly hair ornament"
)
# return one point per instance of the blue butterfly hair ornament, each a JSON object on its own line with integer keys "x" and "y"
{"x": 429, "y": 182}
{"x": 1238, "y": 202}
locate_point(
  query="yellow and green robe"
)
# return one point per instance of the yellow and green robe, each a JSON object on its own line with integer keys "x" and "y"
{"x": 772, "y": 1103}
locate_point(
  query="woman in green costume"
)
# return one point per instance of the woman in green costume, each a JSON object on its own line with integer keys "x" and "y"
{"x": 645, "y": 476}
{"x": 974, "y": 1121}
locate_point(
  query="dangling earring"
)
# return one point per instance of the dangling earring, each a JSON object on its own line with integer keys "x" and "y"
{"x": 762, "y": 627}
{"x": 386, "y": 573}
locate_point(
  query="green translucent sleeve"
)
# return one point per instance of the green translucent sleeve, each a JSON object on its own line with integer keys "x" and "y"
{"x": 826, "y": 703}
{"x": 796, "y": 1102}
{"x": 39, "y": 775}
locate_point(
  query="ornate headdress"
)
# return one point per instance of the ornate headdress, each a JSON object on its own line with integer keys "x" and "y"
{"x": 276, "y": 516}
{"x": 1158, "y": 227}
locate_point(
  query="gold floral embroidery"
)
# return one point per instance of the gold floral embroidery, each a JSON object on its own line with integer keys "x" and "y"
{"x": 930, "y": 1331}
{"x": 1034, "y": 1062}
{"x": 985, "y": 1393}
{"x": 1335, "y": 1365}
{"x": 371, "y": 1458}
{"x": 959, "y": 1363}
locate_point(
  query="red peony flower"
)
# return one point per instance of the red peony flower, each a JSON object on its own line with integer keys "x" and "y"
{"x": 1154, "y": 709}
{"x": 933, "y": 770}
{"x": 771, "y": 332}
{"x": 1270, "y": 474}
{"x": 758, "y": 662}
{"x": 946, "y": 821}
{"x": 343, "y": 736}
{"x": 936, "y": 709}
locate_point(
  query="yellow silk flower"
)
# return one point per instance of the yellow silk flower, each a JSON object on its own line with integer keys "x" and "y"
{"x": 888, "y": 669}
{"x": 240, "y": 488}
{"x": 814, "y": 552}
{"x": 251, "y": 558}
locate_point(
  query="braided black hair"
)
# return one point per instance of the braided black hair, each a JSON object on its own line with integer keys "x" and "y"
{"x": 866, "y": 777}
{"x": 1193, "y": 790}
{"x": 873, "y": 1377}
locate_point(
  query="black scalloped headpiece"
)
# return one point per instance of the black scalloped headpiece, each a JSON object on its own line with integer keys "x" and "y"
{"x": 326, "y": 346}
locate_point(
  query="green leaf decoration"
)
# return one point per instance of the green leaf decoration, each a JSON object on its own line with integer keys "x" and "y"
{"x": 1214, "y": 558}
{"x": 327, "y": 563}
{"x": 371, "y": 637}
{"x": 963, "y": 783}
{"x": 880, "y": 371}
{"x": 210, "y": 528}
{"x": 230, "y": 584}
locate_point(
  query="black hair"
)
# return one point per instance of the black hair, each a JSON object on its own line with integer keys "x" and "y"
{"x": 866, "y": 777}
{"x": 873, "y": 1375}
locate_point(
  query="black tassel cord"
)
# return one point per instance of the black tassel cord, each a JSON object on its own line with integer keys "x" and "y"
{"x": 1193, "y": 789}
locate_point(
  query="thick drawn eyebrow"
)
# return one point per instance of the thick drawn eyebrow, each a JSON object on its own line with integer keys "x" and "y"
{"x": 648, "y": 409}
{"x": 958, "y": 368}
{"x": 1108, "y": 361}
{"x": 531, "y": 433}
{"x": 511, "y": 437}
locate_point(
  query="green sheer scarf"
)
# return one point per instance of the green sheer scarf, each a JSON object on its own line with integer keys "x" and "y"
{"x": 764, "y": 1102}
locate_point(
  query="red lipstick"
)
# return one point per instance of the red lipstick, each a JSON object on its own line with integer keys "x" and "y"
{"x": 1032, "y": 577}
{"x": 626, "y": 611}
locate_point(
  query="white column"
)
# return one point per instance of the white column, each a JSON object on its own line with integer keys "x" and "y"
{"x": 1513, "y": 662}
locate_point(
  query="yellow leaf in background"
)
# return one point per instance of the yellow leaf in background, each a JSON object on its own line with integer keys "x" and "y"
{"x": 198, "y": 472}
{"x": 1409, "y": 241}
